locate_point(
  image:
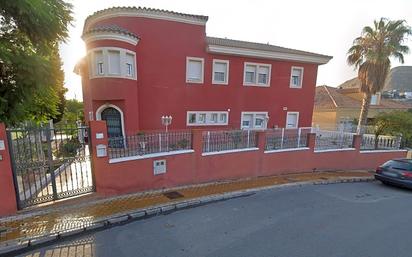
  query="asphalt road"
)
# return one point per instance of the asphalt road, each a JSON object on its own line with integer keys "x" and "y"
{"x": 359, "y": 219}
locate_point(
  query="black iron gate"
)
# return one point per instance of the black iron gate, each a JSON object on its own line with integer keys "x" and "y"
{"x": 50, "y": 163}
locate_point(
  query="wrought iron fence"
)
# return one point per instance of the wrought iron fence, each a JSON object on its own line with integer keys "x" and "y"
{"x": 333, "y": 140}
{"x": 277, "y": 139}
{"x": 369, "y": 142}
{"x": 148, "y": 143}
{"x": 215, "y": 141}
{"x": 50, "y": 163}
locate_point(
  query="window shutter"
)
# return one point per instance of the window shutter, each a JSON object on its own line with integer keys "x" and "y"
{"x": 220, "y": 67}
{"x": 195, "y": 70}
{"x": 292, "y": 120}
{"x": 297, "y": 72}
{"x": 114, "y": 62}
{"x": 250, "y": 68}
{"x": 263, "y": 70}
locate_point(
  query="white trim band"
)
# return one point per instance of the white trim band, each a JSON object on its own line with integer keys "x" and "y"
{"x": 231, "y": 151}
{"x": 266, "y": 54}
{"x": 383, "y": 151}
{"x": 334, "y": 150}
{"x": 147, "y": 156}
{"x": 105, "y": 35}
{"x": 287, "y": 150}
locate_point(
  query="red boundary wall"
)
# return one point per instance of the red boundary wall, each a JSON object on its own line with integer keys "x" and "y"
{"x": 193, "y": 167}
{"x": 8, "y": 204}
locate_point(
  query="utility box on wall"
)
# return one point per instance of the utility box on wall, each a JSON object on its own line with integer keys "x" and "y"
{"x": 101, "y": 151}
{"x": 159, "y": 167}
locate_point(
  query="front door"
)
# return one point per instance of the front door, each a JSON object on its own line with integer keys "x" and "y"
{"x": 114, "y": 126}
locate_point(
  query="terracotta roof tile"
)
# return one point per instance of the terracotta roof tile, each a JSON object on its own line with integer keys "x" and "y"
{"x": 110, "y": 28}
{"x": 148, "y": 11}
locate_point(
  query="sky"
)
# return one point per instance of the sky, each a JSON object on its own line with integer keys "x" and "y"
{"x": 320, "y": 26}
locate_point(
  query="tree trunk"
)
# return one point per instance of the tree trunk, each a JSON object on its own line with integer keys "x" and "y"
{"x": 363, "y": 118}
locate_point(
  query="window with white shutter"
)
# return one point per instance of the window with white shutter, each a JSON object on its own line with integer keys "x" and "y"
{"x": 194, "y": 70}
{"x": 254, "y": 120}
{"x": 296, "y": 77}
{"x": 220, "y": 72}
{"x": 114, "y": 62}
{"x": 263, "y": 75}
{"x": 292, "y": 120}
{"x": 130, "y": 64}
{"x": 98, "y": 56}
{"x": 256, "y": 74}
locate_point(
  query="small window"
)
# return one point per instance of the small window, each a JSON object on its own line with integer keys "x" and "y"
{"x": 194, "y": 70}
{"x": 254, "y": 120}
{"x": 259, "y": 120}
{"x": 292, "y": 120}
{"x": 205, "y": 118}
{"x": 296, "y": 77}
{"x": 202, "y": 118}
{"x": 213, "y": 118}
{"x": 263, "y": 75}
{"x": 129, "y": 65}
{"x": 223, "y": 118}
{"x": 100, "y": 70}
{"x": 247, "y": 121}
{"x": 375, "y": 99}
{"x": 98, "y": 56}
{"x": 114, "y": 62}
{"x": 192, "y": 118}
{"x": 250, "y": 74}
{"x": 220, "y": 72}
{"x": 257, "y": 74}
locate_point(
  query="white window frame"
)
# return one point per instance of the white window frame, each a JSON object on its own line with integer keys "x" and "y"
{"x": 208, "y": 121}
{"x": 256, "y": 84}
{"x": 291, "y": 85}
{"x": 93, "y": 66}
{"x": 254, "y": 114}
{"x": 126, "y": 63}
{"x": 297, "y": 120}
{"x": 226, "y": 82}
{"x": 202, "y": 60}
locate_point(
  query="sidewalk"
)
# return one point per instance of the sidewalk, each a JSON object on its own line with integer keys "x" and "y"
{"x": 33, "y": 227}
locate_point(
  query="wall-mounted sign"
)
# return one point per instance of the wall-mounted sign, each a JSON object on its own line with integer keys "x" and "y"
{"x": 99, "y": 135}
{"x": 2, "y": 146}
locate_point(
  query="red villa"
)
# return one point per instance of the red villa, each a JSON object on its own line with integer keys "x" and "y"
{"x": 144, "y": 63}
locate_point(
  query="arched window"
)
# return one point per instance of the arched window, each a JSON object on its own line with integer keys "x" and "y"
{"x": 114, "y": 122}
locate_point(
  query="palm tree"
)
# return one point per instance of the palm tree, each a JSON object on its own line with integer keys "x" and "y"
{"x": 370, "y": 54}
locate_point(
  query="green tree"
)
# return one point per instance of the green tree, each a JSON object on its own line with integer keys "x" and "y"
{"x": 31, "y": 78}
{"x": 397, "y": 123}
{"x": 371, "y": 53}
{"x": 73, "y": 111}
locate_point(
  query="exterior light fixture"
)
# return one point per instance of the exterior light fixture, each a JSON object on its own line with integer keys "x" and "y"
{"x": 166, "y": 121}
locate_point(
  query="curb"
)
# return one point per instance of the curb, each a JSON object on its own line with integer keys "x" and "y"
{"x": 15, "y": 246}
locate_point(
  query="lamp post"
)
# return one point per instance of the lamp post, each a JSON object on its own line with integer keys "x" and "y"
{"x": 166, "y": 121}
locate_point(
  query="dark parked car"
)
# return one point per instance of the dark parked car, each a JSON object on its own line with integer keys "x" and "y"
{"x": 397, "y": 172}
